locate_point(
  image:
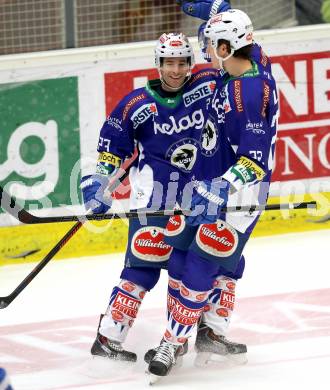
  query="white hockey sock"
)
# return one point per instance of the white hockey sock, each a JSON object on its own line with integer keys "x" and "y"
{"x": 125, "y": 302}
{"x": 220, "y": 305}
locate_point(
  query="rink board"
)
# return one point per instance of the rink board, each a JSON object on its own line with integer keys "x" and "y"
{"x": 111, "y": 237}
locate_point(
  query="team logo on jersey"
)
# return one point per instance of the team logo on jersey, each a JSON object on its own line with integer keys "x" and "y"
{"x": 143, "y": 113}
{"x": 193, "y": 121}
{"x": 148, "y": 244}
{"x": 200, "y": 92}
{"x": 217, "y": 239}
{"x": 183, "y": 154}
{"x": 209, "y": 138}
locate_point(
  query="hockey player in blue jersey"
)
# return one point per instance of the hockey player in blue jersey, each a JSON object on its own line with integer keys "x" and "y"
{"x": 215, "y": 320}
{"x": 244, "y": 115}
{"x": 166, "y": 121}
{"x": 141, "y": 273}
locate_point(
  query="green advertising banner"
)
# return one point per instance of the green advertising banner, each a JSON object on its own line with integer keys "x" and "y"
{"x": 39, "y": 140}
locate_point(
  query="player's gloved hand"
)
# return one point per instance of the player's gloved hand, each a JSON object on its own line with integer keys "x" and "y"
{"x": 213, "y": 196}
{"x": 202, "y": 41}
{"x": 203, "y": 9}
{"x": 93, "y": 188}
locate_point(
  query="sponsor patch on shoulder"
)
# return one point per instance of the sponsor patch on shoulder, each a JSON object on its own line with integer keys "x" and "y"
{"x": 143, "y": 113}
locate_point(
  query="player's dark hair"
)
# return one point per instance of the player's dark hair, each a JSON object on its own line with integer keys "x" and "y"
{"x": 243, "y": 52}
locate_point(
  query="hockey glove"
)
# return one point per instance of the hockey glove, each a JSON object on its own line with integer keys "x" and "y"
{"x": 93, "y": 188}
{"x": 204, "y": 9}
{"x": 213, "y": 196}
{"x": 202, "y": 41}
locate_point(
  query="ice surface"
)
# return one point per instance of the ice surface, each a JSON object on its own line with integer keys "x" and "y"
{"x": 282, "y": 313}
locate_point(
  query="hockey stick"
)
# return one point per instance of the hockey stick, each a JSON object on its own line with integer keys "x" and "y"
{"x": 5, "y": 198}
{"x": 9, "y": 204}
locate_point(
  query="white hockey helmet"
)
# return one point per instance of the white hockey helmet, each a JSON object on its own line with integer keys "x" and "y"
{"x": 234, "y": 26}
{"x": 173, "y": 45}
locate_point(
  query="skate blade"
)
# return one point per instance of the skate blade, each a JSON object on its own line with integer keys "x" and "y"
{"x": 238, "y": 358}
{"x": 152, "y": 378}
{"x": 203, "y": 359}
{"x": 115, "y": 362}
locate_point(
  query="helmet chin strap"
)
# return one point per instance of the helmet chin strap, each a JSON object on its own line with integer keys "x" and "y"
{"x": 174, "y": 89}
{"x": 221, "y": 60}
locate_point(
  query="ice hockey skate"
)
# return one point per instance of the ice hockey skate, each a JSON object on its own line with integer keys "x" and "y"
{"x": 110, "y": 349}
{"x": 149, "y": 355}
{"x": 213, "y": 348}
{"x": 167, "y": 356}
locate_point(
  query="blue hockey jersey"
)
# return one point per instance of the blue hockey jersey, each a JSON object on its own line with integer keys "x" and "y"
{"x": 244, "y": 114}
{"x": 167, "y": 133}
{"x": 177, "y": 139}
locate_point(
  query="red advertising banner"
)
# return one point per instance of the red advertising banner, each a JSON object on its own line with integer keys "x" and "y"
{"x": 303, "y": 81}
{"x": 302, "y": 154}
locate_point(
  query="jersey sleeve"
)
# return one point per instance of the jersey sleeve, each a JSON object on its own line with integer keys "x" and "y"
{"x": 116, "y": 140}
{"x": 260, "y": 57}
{"x": 252, "y": 129}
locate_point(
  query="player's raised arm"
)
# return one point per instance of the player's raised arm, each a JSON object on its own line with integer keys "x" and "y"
{"x": 204, "y": 9}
